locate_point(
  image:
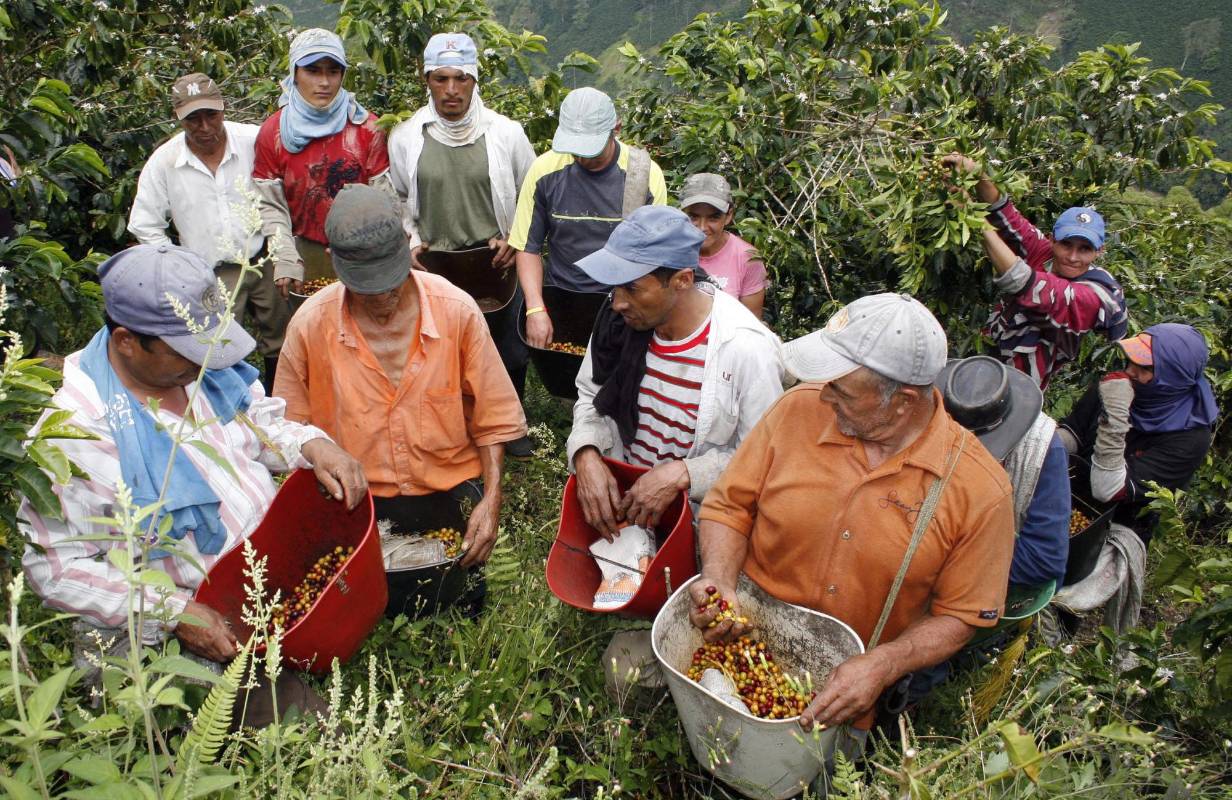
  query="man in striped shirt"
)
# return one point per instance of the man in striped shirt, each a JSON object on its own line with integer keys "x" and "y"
{"x": 146, "y": 354}
{"x": 675, "y": 375}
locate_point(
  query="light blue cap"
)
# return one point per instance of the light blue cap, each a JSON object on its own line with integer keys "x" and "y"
{"x": 450, "y": 50}
{"x": 652, "y": 237}
{"x": 587, "y": 118}
{"x": 1080, "y": 221}
{"x": 314, "y": 44}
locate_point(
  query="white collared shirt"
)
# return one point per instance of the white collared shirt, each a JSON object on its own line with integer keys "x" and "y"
{"x": 208, "y": 209}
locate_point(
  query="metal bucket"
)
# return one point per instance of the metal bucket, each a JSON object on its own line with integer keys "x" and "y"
{"x": 759, "y": 758}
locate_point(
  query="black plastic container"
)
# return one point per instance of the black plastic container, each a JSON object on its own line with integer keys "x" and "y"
{"x": 420, "y": 591}
{"x": 573, "y": 317}
{"x": 1085, "y": 546}
{"x": 472, "y": 272}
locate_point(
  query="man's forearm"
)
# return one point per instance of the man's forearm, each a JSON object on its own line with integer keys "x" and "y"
{"x": 926, "y": 642}
{"x": 530, "y": 275}
{"x": 999, "y": 252}
{"x": 492, "y": 462}
{"x": 723, "y": 552}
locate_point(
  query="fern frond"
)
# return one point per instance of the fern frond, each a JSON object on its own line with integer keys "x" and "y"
{"x": 209, "y": 728}
{"x": 847, "y": 782}
{"x": 988, "y": 695}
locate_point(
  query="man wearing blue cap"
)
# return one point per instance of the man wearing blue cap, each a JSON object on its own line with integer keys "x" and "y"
{"x": 675, "y": 375}
{"x": 1051, "y": 292}
{"x": 573, "y": 198}
{"x": 139, "y": 378}
{"x": 457, "y": 165}
{"x": 318, "y": 141}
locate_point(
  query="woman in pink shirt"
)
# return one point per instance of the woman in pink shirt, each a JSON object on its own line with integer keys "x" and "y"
{"x": 732, "y": 262}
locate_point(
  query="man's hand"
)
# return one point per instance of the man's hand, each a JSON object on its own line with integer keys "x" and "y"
{"x": 701, "y": 616}
{"x": 504, "y": 253}
{"x": 539, "y": 329}
{"x": 598, "y": 492}
{"x": 653, "y": 492}
{"x": 340, "y": 474}
{"x": 481, "y": 530}
{"x": 422, "y": 247}
{"x": 288, "y": 285}
{"x": 213, "y": 640}
{"x": 851, "y": 691}
{"x": 961, "y": 163}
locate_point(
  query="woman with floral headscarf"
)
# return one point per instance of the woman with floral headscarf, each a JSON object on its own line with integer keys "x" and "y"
{"x": 319, "y": 140}
{"x": 1150, "y": 422}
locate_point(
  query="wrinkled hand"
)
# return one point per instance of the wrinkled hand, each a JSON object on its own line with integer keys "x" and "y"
{"x": 481, "y": 531}
{"x": 851, "y": 690}
{"x": 504, "y": 253}
{"x": 653, "y": 492}
{"x": 213, "y": 640}
{"x": 288, "y": 285}
{"x": 961, "y": 163}
{"x": 340, "y": 474}
{"x": 422, "y": 247}
{"x": 701, "y": 617}
{"x": 539, "y": 330}
{"x": 598, "y": 492}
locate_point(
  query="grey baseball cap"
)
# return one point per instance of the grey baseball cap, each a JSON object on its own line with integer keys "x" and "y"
{"x": 652, "y": 237}
{"x": 892, "y": 334}
{"x": 587, "y": 118}
{"x": 706, "y": 187}
{"x": 370, "y": 250}
{"x": 138, "y": 284}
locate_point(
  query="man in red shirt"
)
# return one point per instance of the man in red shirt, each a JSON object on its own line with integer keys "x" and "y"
{"x": 319, "y": 140}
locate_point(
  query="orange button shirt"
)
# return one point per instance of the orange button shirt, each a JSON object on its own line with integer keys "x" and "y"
{"x": 418, "y": 437}
{"x": 827, "y": 532}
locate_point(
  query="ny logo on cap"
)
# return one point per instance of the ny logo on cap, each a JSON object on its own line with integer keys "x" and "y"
{"x": 193, "y": 89}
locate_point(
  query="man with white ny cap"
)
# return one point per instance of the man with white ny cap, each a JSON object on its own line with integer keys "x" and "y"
{"x": 573, "y": 198}
{"x": 858, "y": 496}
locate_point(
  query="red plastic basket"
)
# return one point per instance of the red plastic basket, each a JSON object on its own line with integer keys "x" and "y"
{"x": 301, "y": 526}
{"x": 573, "y": 575}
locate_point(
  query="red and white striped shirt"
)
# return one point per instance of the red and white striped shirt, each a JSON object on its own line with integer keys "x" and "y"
{"x": 668, "y": 399}
{"x": 75, "y": 576}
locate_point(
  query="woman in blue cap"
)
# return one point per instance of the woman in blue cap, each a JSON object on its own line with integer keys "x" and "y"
{"x": 319, "y": 140}
{"x": 1151, "y": 422}
{"x": 1052, "y": 294}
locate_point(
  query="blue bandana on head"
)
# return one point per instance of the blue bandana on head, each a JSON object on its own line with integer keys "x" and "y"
{"x": 1179, "y": 397}
{"x": 144, "y": 447}
{"x": 301, "y": 121}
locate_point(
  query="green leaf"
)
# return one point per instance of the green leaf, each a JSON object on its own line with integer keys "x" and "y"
{"x": 1021, "y": 749}
{"x": 1129, "y": 734}
{"x": 93, "y": 769}
{"x": 184, "y": 667}
{"x": 36, "y": 486}
{"x": 102, "y": 724}
{"x": 118, "y": 790}
{"x": 18, "y": 791}
{"x": 121, "y": 559}
{"x": 157, "y": 578}
{"x": 213, "y": 455}
{"x": 50, "y": 458}
{"x": 43, "y": 700}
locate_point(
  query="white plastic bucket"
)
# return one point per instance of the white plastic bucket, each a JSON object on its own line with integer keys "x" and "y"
{"x": 760, "y": 758}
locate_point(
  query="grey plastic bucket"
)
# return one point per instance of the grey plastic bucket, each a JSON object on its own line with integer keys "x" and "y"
{"x": 759, "y": 758}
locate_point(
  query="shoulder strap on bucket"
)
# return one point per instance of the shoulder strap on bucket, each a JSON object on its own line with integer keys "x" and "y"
{"x": 917, "y": 535}
{"x": 637, "y": 181}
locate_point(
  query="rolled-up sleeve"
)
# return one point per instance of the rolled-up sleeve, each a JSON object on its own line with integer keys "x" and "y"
{"x": 493, "y": 412}
{"x": 733, "y": 499}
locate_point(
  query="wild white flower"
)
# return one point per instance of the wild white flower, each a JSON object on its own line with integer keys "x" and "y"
{"x": 802, "y": 96}
{"x": 1161, "y": 96}
{"x": 258, "y": 9}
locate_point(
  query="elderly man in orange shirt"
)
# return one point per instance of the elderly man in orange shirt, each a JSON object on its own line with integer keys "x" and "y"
{"x": 856, "y": 479}
{"x": 398, "y": 367}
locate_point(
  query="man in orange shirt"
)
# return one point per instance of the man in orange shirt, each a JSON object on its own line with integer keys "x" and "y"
{"x": 398, "y": 367}
{"x": 824, "y": 498}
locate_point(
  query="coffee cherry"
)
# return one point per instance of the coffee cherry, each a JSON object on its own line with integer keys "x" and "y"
{"x": 763, "y": 686}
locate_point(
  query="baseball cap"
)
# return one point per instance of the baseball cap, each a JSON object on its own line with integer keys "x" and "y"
{"x": 1082, "y": 222}
{"x": 706, "y": 187}
{"x": 652, "y": 237}
{"x": 193, "y": 93}
{"x": 314, "y": 44}
{"x": 892, "y": 334}
{"x": 136, "y": 283}
{"x": 369, "y": 247}
{"x": 1138, "y": 349}
{"x": 996, "y": 403}
{"x": 450, "y": 50}
{"x": 587, "y": 117}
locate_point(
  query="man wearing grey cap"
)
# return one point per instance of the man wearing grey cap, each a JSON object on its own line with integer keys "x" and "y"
{"x": 397, "y": 365}
{"x": 138, "y": 379}
{"x": 201, "y": 180}
{"x": 572, "y": 200}
{"x": 858, "y": 496}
